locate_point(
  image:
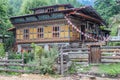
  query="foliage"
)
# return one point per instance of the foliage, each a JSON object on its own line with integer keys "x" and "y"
{"x": 14, "y": 7}
{"x": 72, "y": 69}
{"x": 75, "y": 3}
{"x": 48, "y": 60}
{"x": 111, "y": 69}
{"x": 102, "y": 27}
{"x": 14, "y": 56}
{"x": 38, "y": 51}
{"x": 114, "y": 23}
{"x": 27, "y": 56}
{"x": 28, "y": 4}
{"x": 2, "y": 50}
{"x": 107, "y": 8}
{"x": 44, "y": 59}
{"x": 4, "y": 22}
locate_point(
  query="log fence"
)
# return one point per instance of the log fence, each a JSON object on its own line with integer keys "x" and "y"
{"x": 5, "y": 65}
{"x": 110, "y": 54}
{"x": 92, "y": 54}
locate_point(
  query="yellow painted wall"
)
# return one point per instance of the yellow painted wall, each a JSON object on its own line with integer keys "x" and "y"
{"x": 48, "y": 32}
{"x": 74, "y": 34}
{"x": 66, "y": 34}
{"x": 62, "y": 34}
{"x": 49, "y": 35}
{"x": 61, "y": 8}
{"x": 33, "y": 33}
{"x": 66, "y": 28}
{"x": 19, "y": 34}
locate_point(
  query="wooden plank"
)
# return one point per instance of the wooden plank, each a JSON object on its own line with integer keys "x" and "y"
{"x": 109, "y": 53}
{"x": 79, "y": 60}
{"x": 110, "y": 57}
{"x": 12, "y": 60}
{"x": 86, "y": 52}
{"x": 75, "y": 49}
{"x": 110, "y": 50}
{"x": 78, "y": 56}
{"x": 15, "y": 64}
{"x": 110, "y": 61}
{"x": 110, "y": 47}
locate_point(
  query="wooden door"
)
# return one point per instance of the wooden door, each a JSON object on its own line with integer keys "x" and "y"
{"x": 95, "y": 54}
{"x": 83, "y": 30}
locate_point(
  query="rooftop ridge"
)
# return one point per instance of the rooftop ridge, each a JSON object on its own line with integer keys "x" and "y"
{"x": 56, "y": 5}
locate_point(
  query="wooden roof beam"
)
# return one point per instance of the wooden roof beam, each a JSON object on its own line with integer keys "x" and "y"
{"x": 86, "y": 16}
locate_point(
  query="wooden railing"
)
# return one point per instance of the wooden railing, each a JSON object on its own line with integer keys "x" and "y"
{"x": 5, "y": 65}
{"x": 77, "y": 54}
{"x": 110, "y": 54}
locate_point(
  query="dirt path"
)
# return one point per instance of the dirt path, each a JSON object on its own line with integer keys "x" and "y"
{"x": 42, "y": 77}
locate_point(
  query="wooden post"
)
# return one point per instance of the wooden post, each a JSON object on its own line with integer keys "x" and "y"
{"x": 95, "y": 54}
{"x": 61, "y": 58}
{"x": 23, "y": 60}
{"x": 6, "y": 55}
{"x": 6, "y": 67}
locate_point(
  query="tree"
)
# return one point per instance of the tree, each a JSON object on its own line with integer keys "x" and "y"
{"x": 114, "y": 23}
{"x": 75, "y": 3}
{"x": 28, "y": 4}
{"x": 4, "y": 20}
{"x": 107, "y": 8}
{"x": 14, "y": 7}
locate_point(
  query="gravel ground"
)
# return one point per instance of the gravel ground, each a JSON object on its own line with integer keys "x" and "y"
{"x": 42, "y": 77}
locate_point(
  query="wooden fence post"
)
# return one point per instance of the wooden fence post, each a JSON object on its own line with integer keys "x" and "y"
{"x": 61, "y": 58}
{"x": 6, "y": 67}
{"x": 95, "y": 54}
{"x": 23, "y": 60}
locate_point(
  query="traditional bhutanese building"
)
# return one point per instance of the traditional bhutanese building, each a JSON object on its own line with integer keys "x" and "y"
{"x": 58, "y": 24}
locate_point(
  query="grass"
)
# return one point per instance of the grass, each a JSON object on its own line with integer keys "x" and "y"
{"x": 84, "y": 68}
{"x": 110, "y": 69}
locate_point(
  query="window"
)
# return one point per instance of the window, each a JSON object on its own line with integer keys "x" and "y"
{"x": 26, "y": 33}
{"x": 56, "y": 31}
{"x": 19, "y": 34}
{"x": 50, "y": 10}
{"x": 40, "y": 32}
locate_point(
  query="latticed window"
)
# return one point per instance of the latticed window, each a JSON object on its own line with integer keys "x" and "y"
{"x": 50, "y": 9}
{"x": 56, "y": 31}
{"x": 40, "y": 32}
{"x": 26, "y": 33}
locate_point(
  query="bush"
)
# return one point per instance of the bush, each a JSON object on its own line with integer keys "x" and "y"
{"x": 13, "y": 55}
{"x": 72, "y": 68}
{"x": 2, "y": 50}
{"x": 27, "y": 56}
{"x": 44, "y": 59}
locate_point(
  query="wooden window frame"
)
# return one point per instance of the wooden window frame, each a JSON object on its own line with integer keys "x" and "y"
{"x": 20, "y": 34}
{"x": 26, "y": 34}
{"x": 40, "y": 32}
{"x": 50, "y": 10}
{"x": 56, "y": 31}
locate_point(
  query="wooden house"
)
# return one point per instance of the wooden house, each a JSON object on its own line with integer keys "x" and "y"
{"x": 51, "y": 25}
